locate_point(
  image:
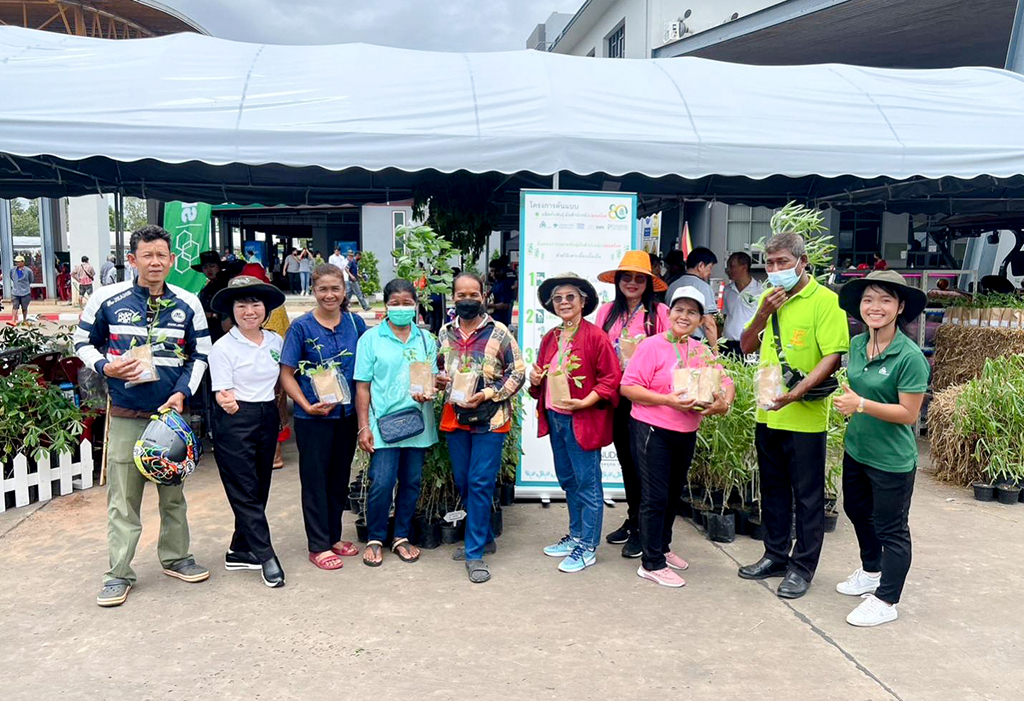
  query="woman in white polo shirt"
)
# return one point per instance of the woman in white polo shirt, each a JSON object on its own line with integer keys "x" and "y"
{"x": 244, "y": 369}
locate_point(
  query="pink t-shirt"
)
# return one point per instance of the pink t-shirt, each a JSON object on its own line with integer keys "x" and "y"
{"x": 636, "y": 325}
{"x": 651, "y": 368}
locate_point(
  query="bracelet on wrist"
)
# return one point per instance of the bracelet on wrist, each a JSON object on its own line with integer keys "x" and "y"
{"x": 364, "y": 428}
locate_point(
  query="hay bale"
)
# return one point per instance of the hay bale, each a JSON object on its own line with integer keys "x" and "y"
{"x": 961, "y": 351}
{"x": 952, "y": 453}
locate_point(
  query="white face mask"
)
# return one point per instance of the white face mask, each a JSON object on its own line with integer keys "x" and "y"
{"x": 786, "y": 279}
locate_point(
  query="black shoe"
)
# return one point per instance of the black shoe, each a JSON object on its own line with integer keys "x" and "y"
{"x": 793, "y": 586}
{"x": 619, "y": 535}
{"x": 632, "y": 547}
{"x": 273, "y": 575}
{"x": 763, "y": 569}
{"x": 240, "y": 561}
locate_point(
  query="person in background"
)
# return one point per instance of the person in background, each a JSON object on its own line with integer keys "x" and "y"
{"x": 108, "y": 271}
{"x": 355, "y": 278}
{"x": 888, "y": 377}
{"x": 216, "y": 280}
{"x": 657, "y": 265}
{"x": 636, "y": 313}
{"x": 739, "y": 301}
{"x": 880, "y": 263}
{"x": 675, "y": 266}
{"x": 305, "y": 270}
{"x": 324, "y": 432}
{"x": 154, "y": 309}
{"x": 22, "y": 278}
{"x": 382, "y": 390}
{"x": 503, "y": 292}
{"x": 229, "y": 255}
{"x": 583, "y": 423}
{"x": 336, "y": 259}
{"x": 318, "y": 259}
{"x": 84, "y": 274}
{"x": 665, "y": 427}
{"x": 290, "y": 269}
{"x": 475, "y": 450}
{"x": 699, "y": 265}
{"x": 244, "y": 374}
{"x": 790, "y": 436}
{"x": 64, "y": 282}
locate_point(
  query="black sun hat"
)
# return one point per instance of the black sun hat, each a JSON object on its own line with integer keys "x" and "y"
{"x": 246, "y": 286}
{"x": 914, "y": 299}
{"x": 205, "y": 258}
{"x": 551, "y": 284}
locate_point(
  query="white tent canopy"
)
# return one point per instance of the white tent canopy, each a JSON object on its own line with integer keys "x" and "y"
{"x": 187, "y": 98}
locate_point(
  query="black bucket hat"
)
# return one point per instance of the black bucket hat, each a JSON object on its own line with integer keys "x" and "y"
{"x": 205, "y": 258}
{"x": 551, "y": 284}
{"x": 914, "y": 299}
{"x": 246, "y": 286}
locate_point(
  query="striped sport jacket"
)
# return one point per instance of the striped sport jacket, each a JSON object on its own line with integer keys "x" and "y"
{"x": 117, "y": 314}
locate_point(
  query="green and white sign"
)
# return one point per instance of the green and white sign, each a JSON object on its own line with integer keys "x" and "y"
{"x": 188, "y": 223}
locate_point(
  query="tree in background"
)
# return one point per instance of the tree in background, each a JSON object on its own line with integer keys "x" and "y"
{"x": 423, "y": 258}
{"x": 460, "y": 208}
{"x": 134, "y": 214}
{"x": 24, "y": 217}
{"x": 368, "y": 268}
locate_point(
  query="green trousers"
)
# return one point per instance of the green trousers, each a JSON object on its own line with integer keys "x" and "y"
{"x": 125, "y": 485}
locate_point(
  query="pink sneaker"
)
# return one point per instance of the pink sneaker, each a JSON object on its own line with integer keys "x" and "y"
{"x": 665, "y": 577}
{"x": 676, "y": 562}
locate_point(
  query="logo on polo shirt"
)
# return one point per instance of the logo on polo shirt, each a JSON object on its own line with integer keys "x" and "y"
{"x": 178, "y": 316}
{"x": 883, "y": 371}
{"x": 276, "y": 356}
{"x": 127, "y": 316}
{"x": 799, "y": 338}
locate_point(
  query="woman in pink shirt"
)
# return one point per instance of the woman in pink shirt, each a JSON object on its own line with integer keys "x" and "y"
{"x": 634, "y": 315}
{"x": 665, "y": 429}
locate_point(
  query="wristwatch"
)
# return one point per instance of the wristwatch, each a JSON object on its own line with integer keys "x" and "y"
{"x": 860, "y": 406}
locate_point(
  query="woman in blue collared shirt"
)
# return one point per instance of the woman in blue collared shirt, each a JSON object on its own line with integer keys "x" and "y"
{"x": 382, "y": 390}
{"x": 324, "y": 432}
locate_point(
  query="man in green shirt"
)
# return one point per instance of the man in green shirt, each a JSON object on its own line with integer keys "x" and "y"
{"x": 791, "y": 433}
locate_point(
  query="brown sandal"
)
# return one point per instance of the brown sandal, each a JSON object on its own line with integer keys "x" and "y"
{"x": 404, "y": 558}
{"x": 373, "y": 548}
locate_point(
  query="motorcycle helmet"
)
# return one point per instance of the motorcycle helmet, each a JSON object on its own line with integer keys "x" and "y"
{"x": 168, "y": 450}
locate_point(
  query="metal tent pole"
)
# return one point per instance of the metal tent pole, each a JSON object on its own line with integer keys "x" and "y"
{"x": 1015, "y": 50}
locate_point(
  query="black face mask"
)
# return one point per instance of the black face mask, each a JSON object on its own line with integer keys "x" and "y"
{"x": 468, "y": 308}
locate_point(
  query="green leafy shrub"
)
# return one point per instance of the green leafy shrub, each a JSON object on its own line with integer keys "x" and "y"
{"x": 369, "y": 266}
{"x": 35, "y": 418}
{"x": 423, "y": 261}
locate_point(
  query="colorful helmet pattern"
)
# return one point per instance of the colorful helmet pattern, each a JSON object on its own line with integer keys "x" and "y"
{"x": 168, "y": 450}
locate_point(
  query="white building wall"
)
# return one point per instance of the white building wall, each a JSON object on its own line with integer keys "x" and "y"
{"x": 378, "y": 235}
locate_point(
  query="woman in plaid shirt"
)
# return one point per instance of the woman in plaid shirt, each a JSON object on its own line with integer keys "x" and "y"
{"x": 476, "y": 425}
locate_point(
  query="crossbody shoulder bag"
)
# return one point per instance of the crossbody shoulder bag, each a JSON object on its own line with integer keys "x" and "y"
{"x": 792, "y": 377}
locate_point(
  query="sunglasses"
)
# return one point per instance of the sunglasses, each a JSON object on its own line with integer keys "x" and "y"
{"x": 568, "y": 299}
{"x": 632, "y": 277}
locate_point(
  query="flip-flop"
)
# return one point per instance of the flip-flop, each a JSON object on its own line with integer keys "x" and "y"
{"x": 373, "y": 548}
{"x": 347, "y": 549}
{"x": 478, "y": 571}
{"x": 404, "y": 558}
{"x": 326, "y": 561}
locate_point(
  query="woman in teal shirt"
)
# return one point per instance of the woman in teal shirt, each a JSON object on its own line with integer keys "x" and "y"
{"x": 382, "y": 379}
{"x": 888, "y": 376}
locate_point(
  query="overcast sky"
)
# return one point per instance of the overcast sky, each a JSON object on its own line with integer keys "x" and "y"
{"x": 436, "y": 25}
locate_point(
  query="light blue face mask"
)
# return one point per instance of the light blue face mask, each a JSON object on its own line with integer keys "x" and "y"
{"x": 401, "y": 316}
{"x": 786, "y": 279}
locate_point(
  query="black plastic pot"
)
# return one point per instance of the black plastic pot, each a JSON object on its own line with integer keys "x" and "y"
{"x": 755, "y": 528}
{"x": 742, "y": 515}
{"x": 391, "y": 531}
{"x": 1008, "y": 494}
{"x": 831, "y": 521}
{"x": 684, "y": 509}
{"x": 449, "y": 533}
{"x": 721, "y": 527}
{"x": 425, "y": 533}
{"x": 508, "y": 494}
{"x": 700, "y": 515}
{"x": 496, "y": 523}
{"x": 355, "y": 504}
{"x": 362, "y": 534}
{"x": 984, "y": 492}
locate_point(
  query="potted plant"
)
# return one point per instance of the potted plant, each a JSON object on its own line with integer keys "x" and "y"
{"x": 559, "y": 379}
{"x": 423, "y": 260}
{"x": 369, "y": 269}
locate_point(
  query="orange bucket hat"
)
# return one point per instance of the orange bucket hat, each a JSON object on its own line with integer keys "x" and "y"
{"x": 634, "y": 262}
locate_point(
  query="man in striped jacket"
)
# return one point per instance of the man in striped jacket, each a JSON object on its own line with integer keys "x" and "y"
{"x": 119, "y": 317}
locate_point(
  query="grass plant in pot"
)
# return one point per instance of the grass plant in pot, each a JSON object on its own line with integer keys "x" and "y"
{"x": 834, "y": 451}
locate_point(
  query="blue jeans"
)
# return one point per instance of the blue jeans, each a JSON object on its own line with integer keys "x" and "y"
{"x": 389, "y": 466}
{"x": 579, "y": 475}
{"x": 304, "y": 277}
{"x": 476, "y": 458}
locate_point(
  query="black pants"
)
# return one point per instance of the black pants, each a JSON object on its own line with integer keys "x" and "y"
{"x": 293, "y": 283}
{"x": 244, "y": 445}
{"x": 326, "y": 447}
{"x": 622, "y": 436}
{"x": 878, "y": 504}
{"x": 792, "y": 467}
{"x": 663, "y": 458}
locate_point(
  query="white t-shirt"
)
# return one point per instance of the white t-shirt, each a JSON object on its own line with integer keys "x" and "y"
{"x": 250, "y": 370}
{"x": 739, "y": 307}
{"x": 338, "y": 261}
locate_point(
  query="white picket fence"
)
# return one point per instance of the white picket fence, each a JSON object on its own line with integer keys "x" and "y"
{"x": 72, "y": 475}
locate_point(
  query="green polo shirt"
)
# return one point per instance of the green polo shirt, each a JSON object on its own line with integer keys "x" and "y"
{"x": 383, "y": 361}
{"x": 812, "y": 326}
{"x": 901, "y": 367}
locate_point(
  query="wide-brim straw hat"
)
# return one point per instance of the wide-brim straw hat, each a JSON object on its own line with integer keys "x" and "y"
{"x": 635, "y": 262}
{"x": 551, "y": 284}
{"x": 914, "y": 299}
{"x": 246, "y": 286}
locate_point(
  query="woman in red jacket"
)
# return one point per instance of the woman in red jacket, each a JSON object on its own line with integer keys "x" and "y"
{"x": 576, "y": 384}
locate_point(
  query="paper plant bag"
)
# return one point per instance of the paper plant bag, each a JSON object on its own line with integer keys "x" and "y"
{"x": 951, "y": 316}
{"x": 686, "y": 381}
{"x": 1018, "y": 319}
{"x": 329, "y": 389}
{"x": 421, "y": 379}
{"x": 1007, "y": 317}
{"x": 627, "y": 347}
{"x": 144, "y": 354}
{"x": 768, "y": 381}
{"x": 558, "y": 383}
{"x": 709, "y": 384}
{"x": 463, "y": 386}
{"x": 973, "y": 317}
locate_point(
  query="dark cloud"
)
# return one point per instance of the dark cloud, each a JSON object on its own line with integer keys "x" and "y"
{"x": 436, "y": 25}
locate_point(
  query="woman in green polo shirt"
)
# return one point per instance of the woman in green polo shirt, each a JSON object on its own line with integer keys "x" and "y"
{"x": 888, "y": 376}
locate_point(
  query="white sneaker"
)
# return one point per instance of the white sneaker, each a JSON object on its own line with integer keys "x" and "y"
{"x": 872, "y": 612}
{"x": 859, "y": 583}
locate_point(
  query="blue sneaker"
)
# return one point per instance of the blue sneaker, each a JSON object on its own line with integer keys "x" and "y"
{"x": 579, "y": 559}
{"x": 562, "y": 548}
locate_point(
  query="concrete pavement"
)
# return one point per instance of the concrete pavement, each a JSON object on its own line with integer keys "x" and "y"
{"x": 423, "y": 631}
